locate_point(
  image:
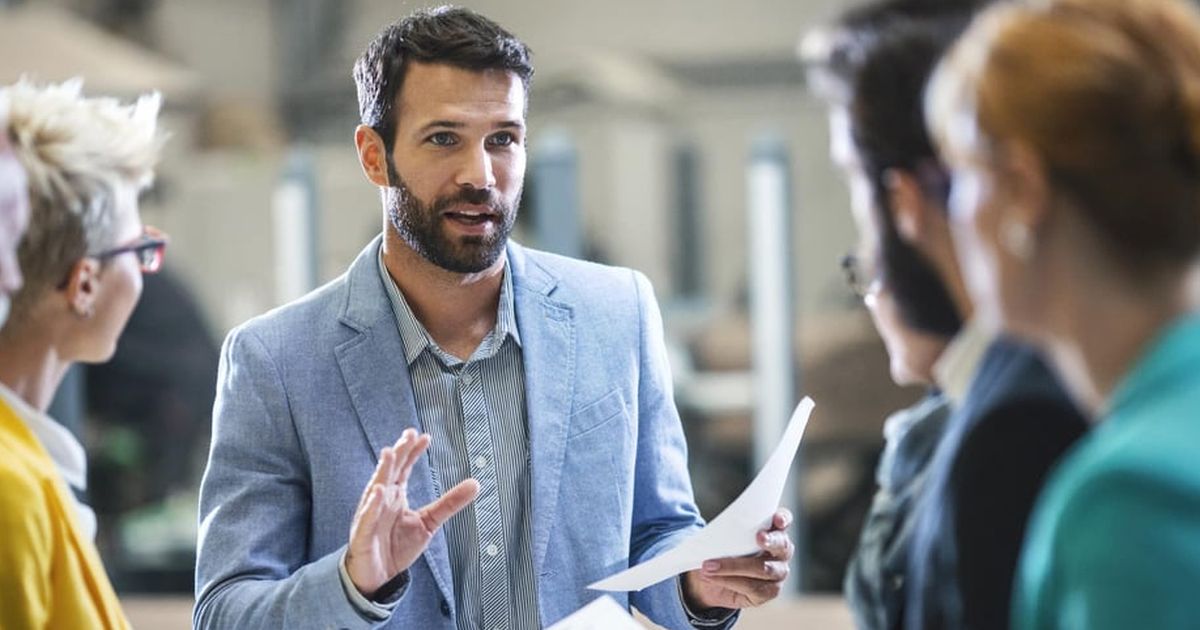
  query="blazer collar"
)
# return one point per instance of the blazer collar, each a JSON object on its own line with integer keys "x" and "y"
{"x": 380, "y": 388}
{"x": 548, "y": 330}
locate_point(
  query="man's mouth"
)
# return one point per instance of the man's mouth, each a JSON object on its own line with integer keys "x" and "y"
{"x": 472, "y": 216}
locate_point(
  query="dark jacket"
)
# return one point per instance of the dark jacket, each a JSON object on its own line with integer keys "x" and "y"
{"x": 875, "y": 578}
{"x": 1010, "y": 430}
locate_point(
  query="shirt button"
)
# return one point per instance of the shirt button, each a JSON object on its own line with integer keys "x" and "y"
{"x": 481, "y": 462}
{"x": 492, "y": 550}
{"x": 467, "y": 378}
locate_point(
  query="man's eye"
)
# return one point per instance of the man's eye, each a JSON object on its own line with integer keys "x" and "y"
{"x": 442, "y": 139}
{"x": 502, "y": 139}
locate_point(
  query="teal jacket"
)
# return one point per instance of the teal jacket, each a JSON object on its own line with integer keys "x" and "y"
{"x": 1115, "y": 540}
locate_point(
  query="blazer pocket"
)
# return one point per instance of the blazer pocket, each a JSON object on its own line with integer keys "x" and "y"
{"x": 597, "y": 414}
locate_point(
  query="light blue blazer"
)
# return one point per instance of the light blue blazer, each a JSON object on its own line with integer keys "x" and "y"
{"x": 309, "y": 393}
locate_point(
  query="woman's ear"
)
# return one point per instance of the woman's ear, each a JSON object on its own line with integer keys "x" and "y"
{"x": 372, "y": 155}
{"x": 1025, "y": 185}
{"x": 1024, "y": 199}
{"x": 83, "y": 283}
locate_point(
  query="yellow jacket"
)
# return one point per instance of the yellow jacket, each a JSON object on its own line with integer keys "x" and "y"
{"x": 50, "y": 575}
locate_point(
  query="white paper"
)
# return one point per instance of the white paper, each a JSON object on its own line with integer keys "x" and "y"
{"x": 602, "y": 614}
{"x": 733, "y": 532}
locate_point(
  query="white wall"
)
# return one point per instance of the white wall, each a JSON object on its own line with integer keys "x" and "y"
{"x": 220, "y": 203}
{"x": 706, "y": 29}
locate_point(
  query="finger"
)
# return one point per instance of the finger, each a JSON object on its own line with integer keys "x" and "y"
{"x": 402, "y": 447}
{"x": 759, "y": 567}
{"x": 777, "y": 544}
{"x": 418, "y": 449}
{"x": 756, "y": 592}
{"x": 378, "y": 477}
{"x": 383, "y": 468}
{"x": 782, "y": 519}
{"x": 449, "y": 504}
{"x": 367, "y": 521}
{"x": 419, "y": 446}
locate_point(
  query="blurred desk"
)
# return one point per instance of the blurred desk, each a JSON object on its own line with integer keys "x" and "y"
{"x": 823, "y": 612}
{"x": 813, "y": 612}
{"x": 810, "y": 612}
{"x": 165, "y": 612}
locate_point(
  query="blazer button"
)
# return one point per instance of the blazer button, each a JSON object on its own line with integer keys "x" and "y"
{"x": 445, "y": 606}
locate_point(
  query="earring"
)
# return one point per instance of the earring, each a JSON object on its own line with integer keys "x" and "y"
{"x": 1017, "y": 239}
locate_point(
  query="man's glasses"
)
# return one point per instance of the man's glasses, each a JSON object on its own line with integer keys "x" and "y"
{"x": 150, "y": 248}
{"x": 860, "y": 281}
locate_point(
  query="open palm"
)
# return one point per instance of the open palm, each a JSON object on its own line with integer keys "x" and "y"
{"x": 387, "y": 535}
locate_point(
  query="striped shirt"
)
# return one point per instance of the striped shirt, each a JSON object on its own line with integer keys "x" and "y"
{"x": 475, "y": 413}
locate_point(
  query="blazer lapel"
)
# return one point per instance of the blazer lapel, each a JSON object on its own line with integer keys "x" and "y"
{"x": 376, "y": 376}
{"x": 547, "y": 330}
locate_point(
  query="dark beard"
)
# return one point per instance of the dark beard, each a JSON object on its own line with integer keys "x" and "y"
{"x": 420, "y": 226}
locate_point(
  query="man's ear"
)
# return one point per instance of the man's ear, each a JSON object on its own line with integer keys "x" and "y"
{"x": 906, "y": 202}
{"x": 372, "y": 155}
{"x": 83, "y": 285}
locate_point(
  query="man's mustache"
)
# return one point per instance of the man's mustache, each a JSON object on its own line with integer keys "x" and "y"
{"x": 474, "y": 196}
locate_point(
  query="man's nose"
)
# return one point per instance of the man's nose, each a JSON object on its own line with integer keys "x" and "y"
{"x": 475, "y": 170}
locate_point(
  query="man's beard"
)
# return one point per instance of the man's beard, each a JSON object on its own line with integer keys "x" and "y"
{"x": 421, "y": 226}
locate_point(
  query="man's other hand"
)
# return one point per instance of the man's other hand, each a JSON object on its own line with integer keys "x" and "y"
{"x": 747, "y": 581}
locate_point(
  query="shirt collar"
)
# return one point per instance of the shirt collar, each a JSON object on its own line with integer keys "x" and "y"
{"x": 956, "y": 368}
{"x": 414, "y": 334}
{"x": 64, "y": 449}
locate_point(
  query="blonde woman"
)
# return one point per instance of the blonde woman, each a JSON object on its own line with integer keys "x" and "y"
{"x": 82, "y": 258}
{"x": 1073, "y": 131}
{"x": 14, "y": 216}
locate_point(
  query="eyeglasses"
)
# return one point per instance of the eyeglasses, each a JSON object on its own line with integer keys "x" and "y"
{"x": 860, "y": 281}
{"x": 150, "y": 248}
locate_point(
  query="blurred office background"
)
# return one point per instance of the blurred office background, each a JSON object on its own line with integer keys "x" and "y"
{"x": 672, "y": 136}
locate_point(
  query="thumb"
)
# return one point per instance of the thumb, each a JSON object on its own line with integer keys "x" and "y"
{"x": 449, "y": 504}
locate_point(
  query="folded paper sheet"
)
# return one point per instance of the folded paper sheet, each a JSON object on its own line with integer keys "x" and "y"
{"x": 602, "y": 614}
{"x": 733, "y": 532}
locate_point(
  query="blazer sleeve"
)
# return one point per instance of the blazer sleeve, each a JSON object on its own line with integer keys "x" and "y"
{"x": 998, "y": 476}
{"x": 664, "y": 510}
{"x": 252, "y": 570}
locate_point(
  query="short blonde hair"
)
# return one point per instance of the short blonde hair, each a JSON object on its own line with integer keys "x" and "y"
{"x": 4, "y": 107}
{"x": 77, "y": 153}
{"x": 1107, "y": 95}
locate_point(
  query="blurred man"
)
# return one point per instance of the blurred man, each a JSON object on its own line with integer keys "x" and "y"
{"x": 555, "y": 453}
{"x": 941, "y": 544}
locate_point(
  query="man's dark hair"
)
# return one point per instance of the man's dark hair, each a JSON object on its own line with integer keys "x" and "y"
{"x": 881, "y": 16}
{"x": 875, "y": 63}
{"x": 451, "y": 35}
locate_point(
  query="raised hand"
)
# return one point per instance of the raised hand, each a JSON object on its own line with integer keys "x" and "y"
{"x": 387, "y": 536}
